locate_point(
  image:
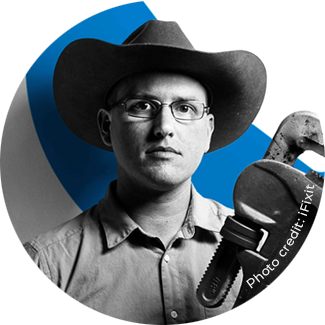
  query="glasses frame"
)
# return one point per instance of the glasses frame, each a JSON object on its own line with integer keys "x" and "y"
{"x": 206, "y": 109}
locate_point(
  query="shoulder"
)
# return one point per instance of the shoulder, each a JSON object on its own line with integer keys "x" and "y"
{"x": 37, "y": 269}
{"x": 46, "y": 261}
{"x": 59, "y": 239}
{"x": 64, "y": 233}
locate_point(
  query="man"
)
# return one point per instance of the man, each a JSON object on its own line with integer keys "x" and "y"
{"x": 159, "y": 105}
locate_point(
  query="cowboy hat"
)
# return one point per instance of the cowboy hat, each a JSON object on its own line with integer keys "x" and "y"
{"x": 87, "y": 68}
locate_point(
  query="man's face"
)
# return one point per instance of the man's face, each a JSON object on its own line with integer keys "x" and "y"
{"x": 159, "y": 152}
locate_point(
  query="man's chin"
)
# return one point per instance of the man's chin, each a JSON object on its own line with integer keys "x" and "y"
{"x": 167, "y": 181}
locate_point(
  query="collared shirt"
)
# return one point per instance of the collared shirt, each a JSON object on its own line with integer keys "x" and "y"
{"x": 103, "y": 259}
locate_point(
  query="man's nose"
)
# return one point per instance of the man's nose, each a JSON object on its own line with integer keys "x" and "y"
{"x": 164, "y": 123}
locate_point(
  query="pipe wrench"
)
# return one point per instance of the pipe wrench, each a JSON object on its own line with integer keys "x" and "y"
{"x": 275, "y": 206}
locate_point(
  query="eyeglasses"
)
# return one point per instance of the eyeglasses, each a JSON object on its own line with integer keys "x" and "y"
{"x": 188, "y": 110}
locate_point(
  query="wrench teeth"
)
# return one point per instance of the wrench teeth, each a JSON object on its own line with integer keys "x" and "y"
{"x": 219, "y": 275}
{"x": 228, "y": 288}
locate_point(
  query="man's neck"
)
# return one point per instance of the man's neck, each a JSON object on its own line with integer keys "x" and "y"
{"x": 159, "y": 213}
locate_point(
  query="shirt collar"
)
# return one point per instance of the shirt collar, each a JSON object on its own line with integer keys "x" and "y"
{"x": 203, "y": 213}
{"x": 116, "y": 222}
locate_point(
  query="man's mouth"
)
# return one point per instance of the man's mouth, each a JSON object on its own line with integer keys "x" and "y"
{"x": 161, "y": 149}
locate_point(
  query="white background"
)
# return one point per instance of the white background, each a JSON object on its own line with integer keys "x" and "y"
{"x": 280, "y": 32}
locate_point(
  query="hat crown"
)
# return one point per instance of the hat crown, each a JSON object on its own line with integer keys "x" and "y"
{"x": 156, "y": 32}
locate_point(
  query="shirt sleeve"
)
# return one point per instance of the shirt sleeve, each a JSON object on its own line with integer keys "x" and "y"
{"x": 23, "y": 289}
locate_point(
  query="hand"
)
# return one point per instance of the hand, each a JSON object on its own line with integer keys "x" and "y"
{"x": 226, "y": 320}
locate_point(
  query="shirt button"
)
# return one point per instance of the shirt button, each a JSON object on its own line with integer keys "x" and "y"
{"x": 174, "y": 314}
{"x": 166, "y": 258}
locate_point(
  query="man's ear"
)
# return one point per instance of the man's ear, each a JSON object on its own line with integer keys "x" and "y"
{"x": 104, "y": 125}
{"x": 210, "y": 129}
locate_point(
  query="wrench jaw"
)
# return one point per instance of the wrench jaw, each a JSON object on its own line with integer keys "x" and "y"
{"x": 273, "y": 198}
{"x": 269, "y": 198}
{"x": 286, "y": 190}
{"x": 285, "y": 187}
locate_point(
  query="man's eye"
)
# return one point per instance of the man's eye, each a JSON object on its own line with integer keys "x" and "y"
{"x": 142, "y": 106}
{"x": 185, "y": 109}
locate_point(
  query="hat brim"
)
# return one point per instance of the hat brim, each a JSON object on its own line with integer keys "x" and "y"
{"x": 87, "y": 68}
